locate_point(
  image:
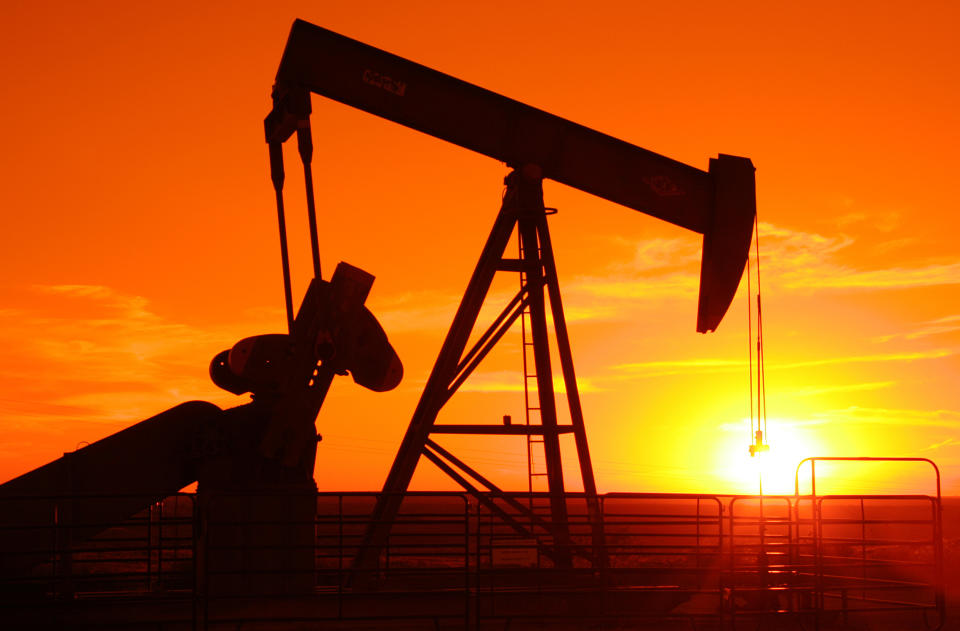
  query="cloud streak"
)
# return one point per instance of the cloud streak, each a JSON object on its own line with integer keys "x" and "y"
{"x": 672, "y": 367}
{"x": 807, "y": 260}
{"x": 739, "y": 426}
{"x": 662, "y": 269}
{"x": 791, "y": 260}
{"x": 949, "y": 442}
{"x": 940, "y": 326}
{"x": 659, "y": 268}
{"x": 890, "y": 416}
{"x": 854, "y": 387}
{"x": 512, "y": 381}
{"x": 829, "y": 276}
{"x": 116, "y": 360}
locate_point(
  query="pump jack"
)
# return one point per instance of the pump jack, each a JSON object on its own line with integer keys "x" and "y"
{"x": 270, "y": 443}
{"x": 720, "y": 204}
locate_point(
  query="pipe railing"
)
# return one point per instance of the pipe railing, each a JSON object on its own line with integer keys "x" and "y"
{"x": 450, "y": 557}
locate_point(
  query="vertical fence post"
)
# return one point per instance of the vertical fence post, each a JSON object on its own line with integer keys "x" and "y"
{"x": 698, "y": 557}
{"x": 160, "y": 537}
{"x": 149, "y": 581}
{"x": 340, "y": 577}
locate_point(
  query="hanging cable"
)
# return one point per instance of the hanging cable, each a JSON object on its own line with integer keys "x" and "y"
{"x": 758, "y": 429}
{"x": 750, "y": 346}
{"x": 762, "y": 376}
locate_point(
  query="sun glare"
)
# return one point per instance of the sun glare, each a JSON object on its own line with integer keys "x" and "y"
{"x": 774, "y": 468}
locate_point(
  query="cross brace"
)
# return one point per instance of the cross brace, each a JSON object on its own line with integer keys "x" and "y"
{"x": 522, "y": 210}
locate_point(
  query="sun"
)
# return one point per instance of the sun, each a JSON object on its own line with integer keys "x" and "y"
{"x": 789, "y": 442}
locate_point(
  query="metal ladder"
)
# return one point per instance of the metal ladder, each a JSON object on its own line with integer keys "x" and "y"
{"x": 535, "y": 446}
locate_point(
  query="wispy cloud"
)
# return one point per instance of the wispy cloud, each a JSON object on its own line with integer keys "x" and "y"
{"x": 845, "y": 277}
{"x": 884, "y": 221}
{"x": 430, "y": 311}
{"x": 784, "y": 248}
{"x": 105, "y": 356}
{"x": 20, "y": 411}
{"x": 859, "y": 359}
{"x": 511, "y": 381}
{"x": 583, "y": 313}
{"x": 890, "y": 416}
{"x": 790, "y": 260}
{"x": 131, "y": 305}
{"x": 658, "y": 268}
{"x": 420, "y": 311}
{"x": 949, "y": 442}
{"x": 855, "y": 415}
{"x": 638, "y": 288}
{"x": 889, "y": 245}
{"x": 670, "y": 367}
{"x": 739, "y": 426}
{"x": 659, "y": 253}
{"x": 849, "y": 219}
{"x": 940, "y": 326}
{"x": 853, "y": 387}
{"x": 806, "y": 260}
{"x": 673, "y": 367}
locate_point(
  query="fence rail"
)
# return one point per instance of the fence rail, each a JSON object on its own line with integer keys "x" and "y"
{"x": 212, "y": 562}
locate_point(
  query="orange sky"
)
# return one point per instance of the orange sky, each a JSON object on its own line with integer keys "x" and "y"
{"x": 139, "y": 229}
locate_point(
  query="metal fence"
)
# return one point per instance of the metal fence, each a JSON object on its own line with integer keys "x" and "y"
{"x": 235, "y": 561}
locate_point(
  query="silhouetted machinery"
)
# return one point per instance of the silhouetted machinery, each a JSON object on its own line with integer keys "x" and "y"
{"x": 269, "y": 444}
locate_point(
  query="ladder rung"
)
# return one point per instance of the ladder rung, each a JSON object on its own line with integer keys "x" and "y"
{"x": 507, "y": 430}
{"x": 510, "y": 265}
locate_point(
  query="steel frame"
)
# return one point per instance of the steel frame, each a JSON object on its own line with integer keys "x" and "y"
{"x": 522, "y": 211}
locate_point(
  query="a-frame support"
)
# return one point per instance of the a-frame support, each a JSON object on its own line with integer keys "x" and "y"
{"x": 523, "y": 209}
